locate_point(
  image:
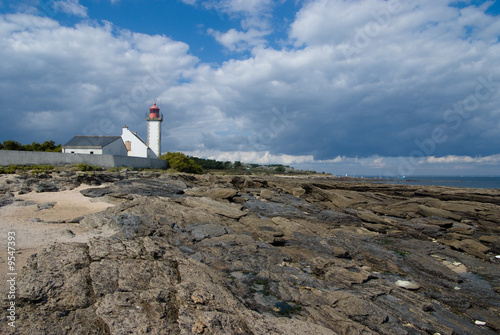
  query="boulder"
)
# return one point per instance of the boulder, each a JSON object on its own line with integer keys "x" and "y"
{"x": 266, "y": 194}
{"x": 408, "y": 285}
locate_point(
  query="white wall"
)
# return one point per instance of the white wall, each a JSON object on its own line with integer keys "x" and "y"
{"x": 137, "y": 146}
{"x": 82, "y": 151}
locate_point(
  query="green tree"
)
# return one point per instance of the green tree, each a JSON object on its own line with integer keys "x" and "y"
{"x": 12, "y": 145}
{"x": 280, "y": 168}
{"x": 182, "y": 163}
{"x": 237, "y": 165}
{"x": 45, "y": 146}
{"x": 48, "y": 146}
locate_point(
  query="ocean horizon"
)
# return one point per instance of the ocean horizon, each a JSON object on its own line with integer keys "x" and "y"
{"x": 491, "y": 182}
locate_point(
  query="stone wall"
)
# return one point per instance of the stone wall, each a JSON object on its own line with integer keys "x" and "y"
{"x": 12, "y": 157}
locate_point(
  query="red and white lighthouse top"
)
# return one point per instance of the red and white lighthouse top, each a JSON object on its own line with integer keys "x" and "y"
{"x": 154, "y": 112}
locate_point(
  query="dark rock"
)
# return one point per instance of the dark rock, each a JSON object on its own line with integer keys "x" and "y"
{"x": 96, "y": 192}
{"x": 45, "y": 186}
{"x": 46, "y": 205}
{"x": 200, "y": 232}
{"x": 6, "y": 200}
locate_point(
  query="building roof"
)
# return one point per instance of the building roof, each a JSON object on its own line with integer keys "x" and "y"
{"x": 94, "y": 142}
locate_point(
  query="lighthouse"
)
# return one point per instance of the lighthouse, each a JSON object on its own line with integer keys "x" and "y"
{"x": 154, "y": 129}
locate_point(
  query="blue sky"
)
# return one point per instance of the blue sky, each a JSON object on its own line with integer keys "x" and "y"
{"x": 350, "y": 87}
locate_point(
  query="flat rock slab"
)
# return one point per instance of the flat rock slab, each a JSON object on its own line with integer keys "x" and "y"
{"x": 225, "y": 209}
{"x": 442, "y": 213}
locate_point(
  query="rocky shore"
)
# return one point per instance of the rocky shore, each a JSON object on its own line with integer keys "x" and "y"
{"x": 184, "y": 254}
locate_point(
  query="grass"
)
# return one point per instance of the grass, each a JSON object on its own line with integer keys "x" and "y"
{"x": 86, "y": 167}
{"x": 35, "y": 169}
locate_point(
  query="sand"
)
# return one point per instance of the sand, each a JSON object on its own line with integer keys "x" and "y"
{"x": 31, "y": 236}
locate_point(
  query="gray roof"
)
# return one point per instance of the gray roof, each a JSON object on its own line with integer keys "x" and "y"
{"x": 94, "y": 142}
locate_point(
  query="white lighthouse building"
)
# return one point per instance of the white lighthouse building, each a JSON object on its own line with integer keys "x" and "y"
{"x": 154, "y": 129}
{"x": 128, "y": 144}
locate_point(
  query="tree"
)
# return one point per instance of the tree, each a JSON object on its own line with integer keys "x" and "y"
{"x": 237, "y": 165}
{"x": 182, "y": 163}
{"x": 280, "y": 169}
{"x": 12, "y": 145}
{"x": 45, "y": 146}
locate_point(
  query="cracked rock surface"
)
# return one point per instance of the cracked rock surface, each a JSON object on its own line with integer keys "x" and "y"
{"x": 266, "y": 255}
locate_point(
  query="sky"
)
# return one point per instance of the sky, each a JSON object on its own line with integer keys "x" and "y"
{"x": 358, "y": 87}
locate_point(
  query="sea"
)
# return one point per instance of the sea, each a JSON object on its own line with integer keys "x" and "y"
{"x": 452, "y": 181}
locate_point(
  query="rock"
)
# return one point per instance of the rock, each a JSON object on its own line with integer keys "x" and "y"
{"x": 298, "y": 191}
{"x": 471, "y": 247}
{"x": 340, "y": 252}
{"x": 175, "y": 257}
{"x": 489, "y": 239}
{"x": 200, "y": 232}
{"x": 408, "y": 285}
{"x": 441, "y": 223}
{"x": 96, "y": 192}
{"x": 45, "y": 186}
{"x": 67, "y": 233}
{"x": 430, "y": 211}
{"x": 214, "y": 193}
{"x": 266, "y": 194}
{"x": 229, "y": 210}
{"x": 6, "y": 200}
{"x": 370, "y": 217}
{"x": 495, "y": 246}
{"x": 46, "y": 205}
{"x": 379, "y": 228}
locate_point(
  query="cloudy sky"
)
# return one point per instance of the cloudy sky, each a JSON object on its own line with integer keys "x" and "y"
{"x": 351, "y": 87}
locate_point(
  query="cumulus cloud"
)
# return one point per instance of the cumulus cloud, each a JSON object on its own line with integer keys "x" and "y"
{"x": 358, "y": 84}
{"x": 417, "y": 73}
{"x": 72, "y": 7}
{"x": 238, "y": 41}
{"x": 254, "y": 17}
{"x": 88, "y": 79}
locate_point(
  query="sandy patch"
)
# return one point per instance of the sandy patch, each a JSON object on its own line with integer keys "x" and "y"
{"x": 30, "y": 235}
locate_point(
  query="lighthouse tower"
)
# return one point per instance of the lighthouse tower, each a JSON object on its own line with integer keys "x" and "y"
{"x": 154, "y": 129}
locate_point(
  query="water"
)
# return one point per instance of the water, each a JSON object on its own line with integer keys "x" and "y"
{"x": 452, "y": 181}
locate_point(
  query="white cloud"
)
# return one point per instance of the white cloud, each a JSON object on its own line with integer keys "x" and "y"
{"x": 72, "y": 7}
{"x": 189, "y": 2}
{"x": 238, "y": 41}
{"x": 254, "y": 16}
{"x": 83, "y": 77}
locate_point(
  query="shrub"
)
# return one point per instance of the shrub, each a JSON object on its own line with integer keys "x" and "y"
{"x": 181, "y": 163}
{"x": 86, "y": 167}
{"x": 11, "y": 169}
{"x": 38, "y": 169}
